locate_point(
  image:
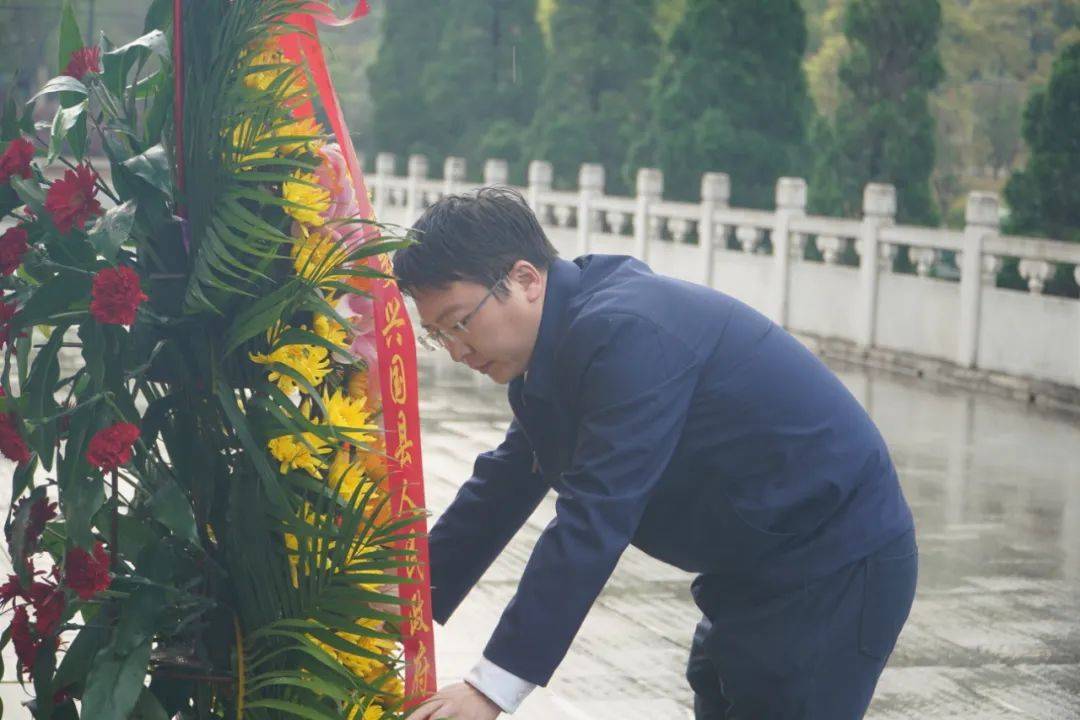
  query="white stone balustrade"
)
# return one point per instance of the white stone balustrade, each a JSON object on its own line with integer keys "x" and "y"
{"x": 971, "y": 323}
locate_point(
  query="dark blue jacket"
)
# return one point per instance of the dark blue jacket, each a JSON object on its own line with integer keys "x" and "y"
{"x": 675, "y": 418}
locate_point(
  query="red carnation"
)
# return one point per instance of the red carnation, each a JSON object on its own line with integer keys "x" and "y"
{"x": 12, "y": 445}
{"x": 87, "y": 574}
{"x": 26, "y": 648}
{"x": 41, "y": 512}
{"x": 70, "y": 201}
{"x": 16, "y": 160}
{"x": 49, "y": 605}
{"x": 110, "y": 448}
{"x": 116, "y": 295}
{"x": 7, "y": 312}
{"x": 13, "y": 245}
{"x": 10, "y": 590}
{"x": 83, "y": 60}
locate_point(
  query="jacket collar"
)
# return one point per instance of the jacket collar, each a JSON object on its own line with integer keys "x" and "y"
{"x": 563, "y": 280}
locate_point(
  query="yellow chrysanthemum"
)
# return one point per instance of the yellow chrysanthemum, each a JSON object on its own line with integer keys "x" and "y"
{"x": 357, "y": 384}
{"x": 330, "y": 330}
{"x": 292, "y": 544}
{"x": 309, "y": 198}
{"x": 240, "y": 137}
{"x": 349, "y": 471}
{"x": 363, "y": 666}
{"x": 348, "y": 412}
{"x": 316, "y": 254}
{"x": 374, "y": 460}
{"x": 389, "y": 686}
{"x": 310, "y": 361}
{"x": 294, "y": 454}
{"x": 264, "y": 78}
{"x": 306, "y": 128}
{"x": 372, "y": 712}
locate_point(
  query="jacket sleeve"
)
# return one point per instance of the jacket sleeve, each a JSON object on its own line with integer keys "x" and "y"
{"x": 488, "y": 509}
{"x": 636, "y": 383}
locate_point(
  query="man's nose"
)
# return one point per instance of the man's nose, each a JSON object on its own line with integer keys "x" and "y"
{"x": 458, "y": 350}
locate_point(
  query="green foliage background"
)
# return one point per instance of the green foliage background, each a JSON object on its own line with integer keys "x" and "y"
{"x": 993, "y": 53}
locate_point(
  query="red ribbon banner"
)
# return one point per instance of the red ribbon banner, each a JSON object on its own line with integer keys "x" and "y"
{"x": 397, "y": 371}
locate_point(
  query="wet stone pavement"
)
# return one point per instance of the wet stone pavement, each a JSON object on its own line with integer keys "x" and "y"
{"x": 995, "y": 630}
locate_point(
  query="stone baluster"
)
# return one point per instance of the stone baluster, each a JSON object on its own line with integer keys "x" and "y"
{"x": 680, "y": 229}
{"x": 924, "y": 259}
{"x": 991, "y": 266}
{"x": 879, "y": 211}
{"x": 790, "y": 204}
{"x": 617, "y": 222}
{"x": 748, "y": 237}
{"x": 830, "y": 247}
{"x": 650, "y": 188}
{"x": 496, "y": 172}
{"x": 540, "y": 176}
{"x": 1036, "y": 273}
{"x": 590, "y": 187}
{"x": 715, "y": 193}
{"x": 887, "y": 253}
{"x": 982, "y": 221}
{"x": 418, "y": 171}
{"x": 563, "y": 214}
{"x": 385, "y": 166}
{"x": 453, "y": 174}
{"x": 656, "y": 226}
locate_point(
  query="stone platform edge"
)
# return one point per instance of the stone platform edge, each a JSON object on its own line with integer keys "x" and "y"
{"x": 1039, "y": 393}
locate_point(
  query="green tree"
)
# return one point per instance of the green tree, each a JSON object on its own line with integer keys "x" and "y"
{"x": 348, "y": 48}
{"x": 602, "y": 55}
{"x": 729, "y": 95}
{"x": 479, "y": 92}
{"x": 1044, "y": 197}
{"x": 882, "y": 130}
{"x": 400, "y": 119}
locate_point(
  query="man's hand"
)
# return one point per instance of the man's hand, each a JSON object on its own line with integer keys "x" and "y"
{"x": 457, "y": 702}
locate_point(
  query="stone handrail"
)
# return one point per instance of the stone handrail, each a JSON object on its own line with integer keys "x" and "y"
{"x": 847, "y": 288}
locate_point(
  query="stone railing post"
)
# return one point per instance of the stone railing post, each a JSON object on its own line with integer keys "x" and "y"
{"x": 650, "y": 188}
{"x": 540, "y": 177}
{"x": 981, "y": 220}
{"x": 453, "y": 174}
{"x": 715, "y": 193}
{"x": 590, "y": 187}
{"x": 414, "y": 194}
{"x": 385, "y": 166}
{"x": 790, "y": 203}
{"x": 496, "y": 172}
{"x": 879, "y": 211}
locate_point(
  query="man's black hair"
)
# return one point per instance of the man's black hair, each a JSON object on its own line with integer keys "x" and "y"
{"x": 475, "y": 237}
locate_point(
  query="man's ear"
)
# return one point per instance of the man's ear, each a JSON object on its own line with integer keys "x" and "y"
{"x": 531, "y": 279}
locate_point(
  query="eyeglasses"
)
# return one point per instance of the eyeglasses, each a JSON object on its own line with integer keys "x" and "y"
{"x": 436, "y": 338}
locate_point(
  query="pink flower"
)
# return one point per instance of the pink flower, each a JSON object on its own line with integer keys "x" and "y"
{"x": 360, "y": 311}
{"x": 334, "y": 176}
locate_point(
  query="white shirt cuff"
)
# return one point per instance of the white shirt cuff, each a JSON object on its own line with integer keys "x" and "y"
{"x": 501, "y": 687}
